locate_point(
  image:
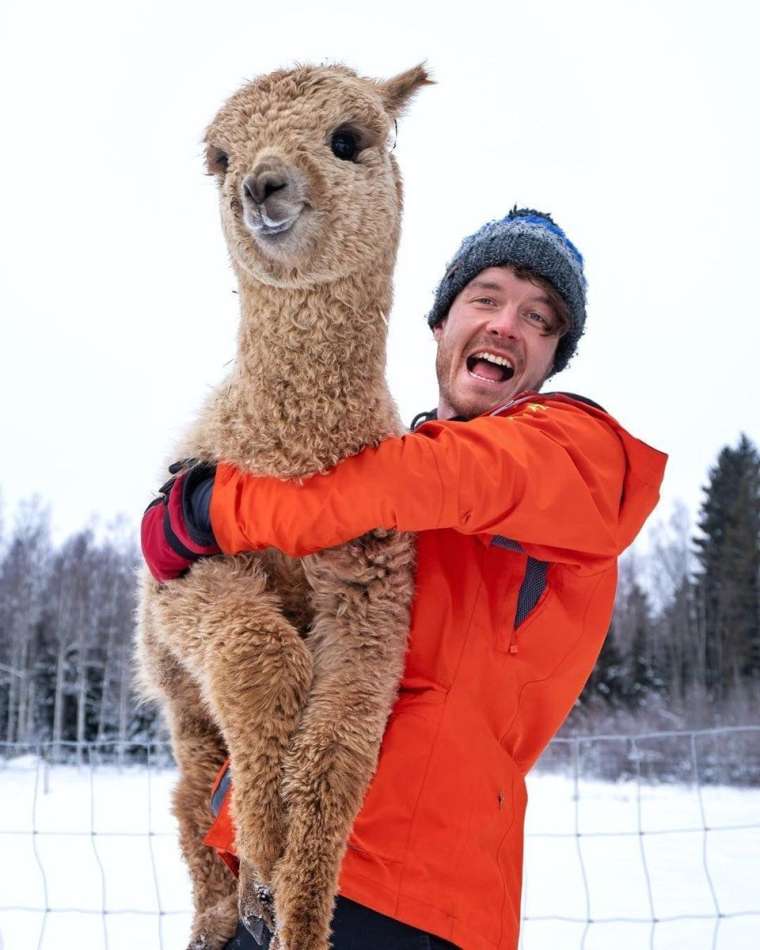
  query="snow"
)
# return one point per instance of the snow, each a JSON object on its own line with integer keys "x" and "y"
{"x": 112, "y": 827}
{"x": 673, "y": 853}
{"x": 106, "y": 840}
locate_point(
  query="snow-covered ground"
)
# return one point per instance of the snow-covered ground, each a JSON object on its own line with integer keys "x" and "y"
{"x": 105, "y": 841}
{"x": 673, "y": 855}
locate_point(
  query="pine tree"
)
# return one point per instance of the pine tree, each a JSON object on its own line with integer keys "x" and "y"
{"x": 642, "y": 677}
{"x": 607, "y": 680}
{"x": 728, "y": 552}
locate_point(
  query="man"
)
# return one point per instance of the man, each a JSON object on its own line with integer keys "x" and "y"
{"x": 522, "y": 502}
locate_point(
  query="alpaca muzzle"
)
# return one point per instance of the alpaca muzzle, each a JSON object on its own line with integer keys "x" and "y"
{"x": 272, "y": 197}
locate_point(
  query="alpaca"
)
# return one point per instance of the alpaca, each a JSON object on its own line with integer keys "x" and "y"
{"x": 291, "y": 666}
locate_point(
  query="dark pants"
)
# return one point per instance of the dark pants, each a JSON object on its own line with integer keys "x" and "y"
{"x": 359, "y": 928}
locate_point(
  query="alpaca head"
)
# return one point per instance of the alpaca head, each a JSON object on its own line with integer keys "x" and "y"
{"x": 309, "y": 190}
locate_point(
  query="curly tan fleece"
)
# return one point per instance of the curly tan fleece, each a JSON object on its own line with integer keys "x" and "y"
{"x": 291, "y": 666}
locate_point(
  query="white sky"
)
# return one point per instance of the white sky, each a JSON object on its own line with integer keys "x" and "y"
{"x": 634, "y": 123}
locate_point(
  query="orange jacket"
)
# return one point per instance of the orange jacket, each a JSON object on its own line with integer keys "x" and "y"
{"x": 522, "y": 514}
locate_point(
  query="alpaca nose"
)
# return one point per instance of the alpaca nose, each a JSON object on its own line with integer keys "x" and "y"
{"x": 273, "y": 195}
{"x": 262, "y": 183}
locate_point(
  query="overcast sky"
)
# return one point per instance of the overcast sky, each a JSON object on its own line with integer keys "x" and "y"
{"x": 635, "y": 124}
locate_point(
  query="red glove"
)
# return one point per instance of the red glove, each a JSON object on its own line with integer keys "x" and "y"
{"x": 176, "y": 527}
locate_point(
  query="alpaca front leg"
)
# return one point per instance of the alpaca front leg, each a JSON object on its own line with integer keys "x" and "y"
{"x": 362, "y": 594}
{"x": 323, "y": 798}
{"x": 327, "y": 772}
{"x": 258, "y": 693}
{"x": 259, "y": 676}
{"x": 256, "y": 672}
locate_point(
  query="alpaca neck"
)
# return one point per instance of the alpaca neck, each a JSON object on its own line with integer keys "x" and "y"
{"x": 308, "y": 386}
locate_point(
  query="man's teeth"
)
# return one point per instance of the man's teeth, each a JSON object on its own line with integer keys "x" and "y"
{"x": 492, "y": 358}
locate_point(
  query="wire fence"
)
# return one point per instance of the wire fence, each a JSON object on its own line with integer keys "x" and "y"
{"x": 72, "y": 811}
{"x": 77, "y": 766}
{"x": 728, "y": 754}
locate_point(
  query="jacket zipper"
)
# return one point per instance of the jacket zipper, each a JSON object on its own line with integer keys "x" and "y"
{"x": 513, "y": 646}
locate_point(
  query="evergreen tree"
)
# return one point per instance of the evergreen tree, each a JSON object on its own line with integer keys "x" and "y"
{"x": 642, "y": 675}
{"x": 728, "y": 552}
{"x": 607, "y": 680}
{"x": 646, "y": 663}
{"x": 629, "y": 666}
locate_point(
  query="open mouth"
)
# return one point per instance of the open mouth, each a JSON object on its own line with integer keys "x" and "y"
{"x": 489, "y": 367}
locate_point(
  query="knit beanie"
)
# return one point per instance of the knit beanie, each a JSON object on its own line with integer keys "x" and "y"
{"x": 525, "y": 238}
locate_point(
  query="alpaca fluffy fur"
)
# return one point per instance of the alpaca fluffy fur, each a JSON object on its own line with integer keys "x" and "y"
{"x": 291, "y": 666}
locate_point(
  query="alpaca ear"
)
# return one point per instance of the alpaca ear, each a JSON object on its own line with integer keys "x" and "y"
{"x": 398, "y": 91}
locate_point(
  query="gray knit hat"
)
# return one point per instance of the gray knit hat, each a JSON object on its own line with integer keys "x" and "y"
{"x": 529, "y": 239}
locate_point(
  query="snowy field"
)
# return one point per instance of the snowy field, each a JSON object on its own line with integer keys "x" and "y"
{"x": 106, "y": 842}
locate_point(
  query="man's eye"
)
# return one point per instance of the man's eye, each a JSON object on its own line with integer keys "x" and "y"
{"x": 487, "y": 300}
{"x": 539, "y": 318}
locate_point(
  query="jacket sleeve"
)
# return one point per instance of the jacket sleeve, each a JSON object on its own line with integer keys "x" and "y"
{"x": 552, "y": 480}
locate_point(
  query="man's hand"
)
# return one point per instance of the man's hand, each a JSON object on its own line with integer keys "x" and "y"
{"x": 176, "y": 527}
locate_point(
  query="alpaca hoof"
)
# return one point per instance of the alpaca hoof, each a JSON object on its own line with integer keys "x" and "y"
{"x": 255, "y": 904}
{"x": 256, "y": 928}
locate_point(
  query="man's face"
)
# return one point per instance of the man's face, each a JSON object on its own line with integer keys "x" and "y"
{"x": 498, "y": 339}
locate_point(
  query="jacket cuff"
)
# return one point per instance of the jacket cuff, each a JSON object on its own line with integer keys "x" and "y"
{"x": 197, "y": 487}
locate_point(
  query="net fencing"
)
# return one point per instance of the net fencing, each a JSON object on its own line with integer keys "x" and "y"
{"x": 687, "y": 786}
{"x": 91, "y": 859}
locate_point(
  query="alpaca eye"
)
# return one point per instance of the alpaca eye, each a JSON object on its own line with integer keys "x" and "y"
{"x": 217, "y": 160}
{"x": 345, "y": 144}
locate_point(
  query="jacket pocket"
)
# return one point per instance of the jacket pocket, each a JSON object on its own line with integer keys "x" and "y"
{"x": 531, "y": 597}
{"x": 532, "y": 589}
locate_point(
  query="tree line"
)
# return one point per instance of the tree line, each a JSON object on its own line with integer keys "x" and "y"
{"x": 66, "y": 633}
{"x": 683, "y": 648}
{"x": 684, "y": 645}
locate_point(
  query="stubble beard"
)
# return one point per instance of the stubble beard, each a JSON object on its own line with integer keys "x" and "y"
{"x": 464, "y": 408}
{"x": 475, "y": 406}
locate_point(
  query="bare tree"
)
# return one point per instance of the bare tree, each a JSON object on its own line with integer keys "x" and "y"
{"x": 670, "y": 568}
{"x": 22, "y": 581}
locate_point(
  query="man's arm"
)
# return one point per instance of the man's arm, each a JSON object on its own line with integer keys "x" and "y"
{"x": 551, "y": 478}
